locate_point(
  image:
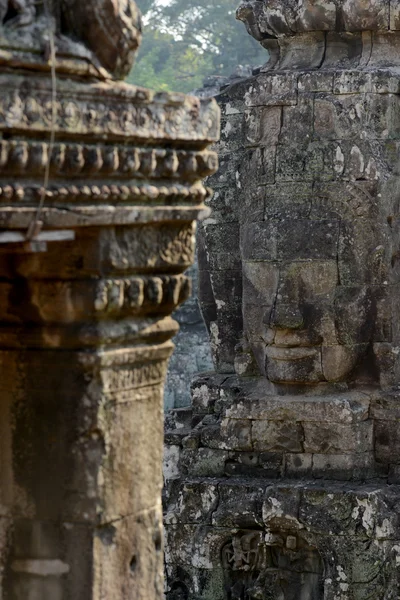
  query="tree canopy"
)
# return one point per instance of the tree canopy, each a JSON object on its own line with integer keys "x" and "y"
{"x": 186, "y": 40}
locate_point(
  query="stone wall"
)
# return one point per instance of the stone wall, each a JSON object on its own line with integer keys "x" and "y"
{"x": 282, "y": 479}
{"x": 192, "y": 350}
{"x": 192, "y": 344}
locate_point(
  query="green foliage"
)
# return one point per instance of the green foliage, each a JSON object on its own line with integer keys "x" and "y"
{"x": 165, "y": 63}
{"x": 186, "y": 40}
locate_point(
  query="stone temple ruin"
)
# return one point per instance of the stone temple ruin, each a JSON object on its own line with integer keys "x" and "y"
{"x": 100, "y": 184}
{"x": 283, "y": 478}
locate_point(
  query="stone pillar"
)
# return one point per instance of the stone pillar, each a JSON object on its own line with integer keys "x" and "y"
{"x": 86, "y": 298}
{"x": 283, "y": 481}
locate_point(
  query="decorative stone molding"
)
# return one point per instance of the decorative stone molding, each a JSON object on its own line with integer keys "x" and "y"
{"x": 91, "y": 268}
{"x": 324, "y": 33}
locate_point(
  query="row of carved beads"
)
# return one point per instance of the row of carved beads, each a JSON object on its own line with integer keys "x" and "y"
{"x": 145, "y": 293}
{"x": 23, "y": 157}
{"x": 195, "y": 194}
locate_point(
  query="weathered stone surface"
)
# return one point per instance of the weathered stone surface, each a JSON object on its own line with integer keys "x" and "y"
{"x": 192, "y": 353}
{"x": 313, "y": 189}
{"x": 100, "y": 183}
{"x": 346, "y": 439}
{"x": 273, "y": 436}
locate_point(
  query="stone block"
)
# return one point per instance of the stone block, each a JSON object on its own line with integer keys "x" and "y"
{"x": 255, "y": 322}
{"x": 343, "y": 50}
{"x": 349, "y": 510}
{"x": 339, "y": 117}
{"x": 191, "y": 502}
{"x": 298, "y": 465}
{"x": 225, "y": 333}
{"x": 184, "y": 582}
{"x": 288, "y": 201}
{"x": 281, "y": 501}
{"x": 258, "y": 241}
{"x": 277, "y": 436}
{"x": 179, "y": 544}
{"x": 234, "y": 497}
{"x": 364, "y": 253}
{"x": 387, "y": 442}
{"x": 257, "y": 167}
{"x": 352, "y": 82}
{"x": 258, "y": 404}
{"x": 291, "y": 240}
{"x": 293, "y": 365}
{"x": 344, "y": 466}
{"x": 263, "y": 127}
{"x": 350, "y": 116}
{"x": 305, "y": 50}
{"x": 202, "y": 462}
{"x": 250, "y": 204}
{"x": 227, "y": 287}
{"x": 394, "y": 474}
{"x": 271, "y": 463}
{"x": 263, "y": 465}
{"x": 171, "y": 468}
{"x": 315, "y": 82}
{"x": 236, "y": 434}
{"x": 295, "y": 162}
{"x": 260, "y": 282}
{"x": 222, "y": 246}
{"x": 272, "y": 90}
{"x": 298, "y": 121}
{"x": 395, "y": 16}
{"x": 385, "y": 406}
{"x": 362, "y": 16}
{"x": 342, "y": 439}
{"x": 205, "y": 392}
{"x": 339, "y": 360}
{"x": 231, "y": 135}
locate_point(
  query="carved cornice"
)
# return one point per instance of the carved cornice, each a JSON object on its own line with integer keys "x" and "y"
{"x": 313, "y": 34}
{"x": 103, "y": 112}
{"x": 277, "y": 18}
{"x": 140, "y": 155}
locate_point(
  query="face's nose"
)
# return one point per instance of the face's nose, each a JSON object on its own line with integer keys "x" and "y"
{"x": 285, "y": 316}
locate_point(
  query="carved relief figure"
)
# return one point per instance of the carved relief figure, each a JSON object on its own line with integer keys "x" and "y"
{"x": 280, "y": 566}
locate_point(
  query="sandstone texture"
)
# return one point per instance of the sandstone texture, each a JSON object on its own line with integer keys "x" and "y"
{"x": 282, "y": 477}
{"x": 100, "y": 185}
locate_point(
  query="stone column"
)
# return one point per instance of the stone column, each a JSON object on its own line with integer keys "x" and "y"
{"x": 85, "y": 305}
{"x": 283, "y": 479}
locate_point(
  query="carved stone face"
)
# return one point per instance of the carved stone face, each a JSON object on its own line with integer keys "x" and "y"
{"x": 316, "y": 296}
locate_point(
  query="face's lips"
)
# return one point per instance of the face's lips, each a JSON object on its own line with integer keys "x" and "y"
{"x": 284, "y": 353}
